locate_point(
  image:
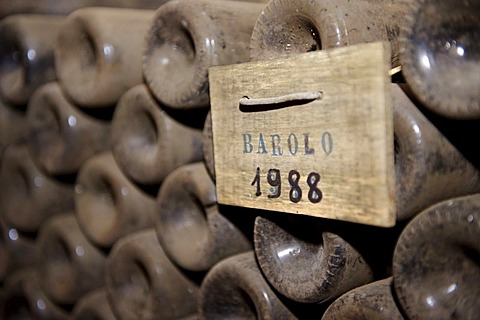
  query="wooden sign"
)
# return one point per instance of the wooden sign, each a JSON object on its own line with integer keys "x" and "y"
{"x": 309, "y": 134}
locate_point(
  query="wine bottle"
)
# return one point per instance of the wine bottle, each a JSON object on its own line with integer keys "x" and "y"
{"x": 13, "y": 126}
{"x": 142, "y": 283}
{"x": 107, "y": 204}
{"x": 288, "y": 27}
{"x": 189, "y": 36}
{"x": 371, "y": 301}
{"x": 29, "y": 197}
{"x": 24, "y": 299}
{"x": 93, "y": 306}
{"x": 98, "y": 54}
{"x": 27, "y": 54}
{"x": 440, "y": 56}
{"x": 307, "y": 260}
{"x": 17, "y": 250}
{"x": 236, "y": 289}
{"x": 191, "y": 228}
{"x": 61, "y": 135}
{"x": 68, "y": 264}
{"x": 436, "y": 261}
{"x": 428, "y": 168}
{"x": 147, "y": 142}
{"x": 64, "y": 7}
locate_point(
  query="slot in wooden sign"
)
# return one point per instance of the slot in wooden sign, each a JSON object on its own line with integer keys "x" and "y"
{"x": 310, "y": 134}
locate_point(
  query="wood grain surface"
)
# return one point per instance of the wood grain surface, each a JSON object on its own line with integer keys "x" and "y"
{"x": 309, "y": 134}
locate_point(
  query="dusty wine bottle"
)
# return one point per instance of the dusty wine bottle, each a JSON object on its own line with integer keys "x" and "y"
{"x": 17, "y": 250}
{"x": 142, "y": 283}
{"x": 288, "y": 27}
{"x": 68, "y": 264}
{"x": 13, "y": 126}
{"x": 147, "y": 143}
{"x": 61, "y": 135}
{"x": 307, "y": 262}
{"x": 190, "y": 227}
{"x": 93, "y": 306}
{"x": 64, "y": 7}
{"x": 24, "y": 299}
{"x": 428, "y": 168}
{"x": 371, "y": 301}
{"x": 236, "y": 289}
{"x": 436, "y": 261}
{"x": 27, "y": 54}
{"x": 107, "y": 204}
{"x": 28, "y": 196}
{"x": 440, "y": 56}
{"x": 98, "y": 54}
{"x": 189, "y": 36}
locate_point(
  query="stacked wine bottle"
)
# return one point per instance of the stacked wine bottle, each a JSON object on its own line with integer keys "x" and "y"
{"x": 108, "y": 207}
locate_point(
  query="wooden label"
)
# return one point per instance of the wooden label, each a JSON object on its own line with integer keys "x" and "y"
{"x": 309, "y": 134}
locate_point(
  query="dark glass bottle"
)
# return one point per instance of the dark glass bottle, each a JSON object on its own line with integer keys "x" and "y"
{"x": 93, "y": 306}
{"x": 192, "y": 229}
{"x": 69, "y": 266}
{"x": 27, "y": 54}
{"x": 287, "y": 27}
{"x": 61, "y": 135}
{"x": 142, "y": 283}
{"x": 29, "y": 197}
{"x": 236, "y": 289}
{"x": 24, "y": 299}
{"x": 306, "y": 260}
{"x": 107, "y": 204}
{"x": 428, "y": 168}
{"x": 436, "y": 268}
{"x": 147, "y": 142}
{"x": 189, "y": 36}
{"x": 440, "y": 56}
{"x": 17, "y": 250}
{"x": 373, "y": 301}
{"x": 13, "y": 126}
{"x": 98, "y": 54}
